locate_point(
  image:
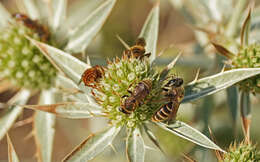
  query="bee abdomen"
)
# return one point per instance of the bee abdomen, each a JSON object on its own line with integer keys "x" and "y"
{"x": 163, "y": 113}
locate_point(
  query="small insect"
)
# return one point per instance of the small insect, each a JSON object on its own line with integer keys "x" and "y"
{"x": 92, "y": 76}
{"x": 174, "y": 92}
{"x": 41, "y": 30}
{"x": 138, "y": 50}
{"x": 137, "y": 97}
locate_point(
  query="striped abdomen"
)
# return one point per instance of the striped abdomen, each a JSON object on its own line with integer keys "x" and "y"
{"x": 166, "y": 112}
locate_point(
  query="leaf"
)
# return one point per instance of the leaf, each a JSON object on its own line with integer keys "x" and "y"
{"x": 222, "y": 50}
{"x": 32, "y": 9}
{"x": 12, "y": 156}
{"x": 244, "y": 37}
{"x": 59, "y": 8}
{"x": 92, "y": 146}
{"x": 43, "y": 128}
{"x": 135, "y": 146}
{"x": 72, "y": 110}
{"x": 153, "y": 138}
{"x": 8, "y": 116}
{"x": 245, "y": 108}
{"x": 5, "y": 16}
{"x": 233, "y": 24}
{"x": 232, "y": 99}
{"x": 185, "y": 131}
{"x": 65, "y": 63}
{"x": 212, "y": 84}
{"x": 80, "y": 38}
{"x": 150, "y": 31}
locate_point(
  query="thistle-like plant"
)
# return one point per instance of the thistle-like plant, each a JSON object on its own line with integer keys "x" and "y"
{"x": 222, "y": 26}
{"x": 24, "y": 68}
{"x": 246, "y": 57}
{"x": 106, "y": 98}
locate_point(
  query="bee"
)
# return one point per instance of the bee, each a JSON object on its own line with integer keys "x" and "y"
{"x": 92, "y": 76}
{"x": 138, "y": 50}
{"x": 137, "y": 97}
{"x": 41, "y": 30}
{"x": 174, "y": 93}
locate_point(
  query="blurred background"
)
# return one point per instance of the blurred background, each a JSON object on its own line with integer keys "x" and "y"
{"x": 176, "y": 34}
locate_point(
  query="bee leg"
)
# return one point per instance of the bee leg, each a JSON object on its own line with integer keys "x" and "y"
{"x": 147, "y": 54}
{"x": 124, "y": 96}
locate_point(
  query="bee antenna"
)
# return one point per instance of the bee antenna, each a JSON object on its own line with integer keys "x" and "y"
{"x": 123, "y": 42}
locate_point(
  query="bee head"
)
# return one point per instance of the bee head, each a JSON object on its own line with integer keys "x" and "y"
{"x": 175, "y": 82}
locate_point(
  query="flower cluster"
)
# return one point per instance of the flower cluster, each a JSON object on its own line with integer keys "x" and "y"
{"x": 242, "y": 152}
{"x": 120, "y": 77}
{"x": 248, "y": 57}
{"x": 21, "y": 62}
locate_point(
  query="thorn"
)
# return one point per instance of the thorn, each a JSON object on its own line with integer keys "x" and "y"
{"x": 222, "y": 50}
{"x": 28, "y": 136}
{"x": 223, "y": 68}
{"x": 88, "y": 61}
{"x": 23, "y": 122}
{"x": 113, "y": 148}
{"x": 163, "y": 50}
{"x": 196, "y": 77}
{"x": 174, "y": 61}
{"x": 123, "y": 42}
{"x": 150, "y": 148}
{"x": 219, "y": 155}
{"x": 188, "y": 158}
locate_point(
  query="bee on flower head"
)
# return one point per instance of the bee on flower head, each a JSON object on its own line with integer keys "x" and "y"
{"x": 174, "y": 92}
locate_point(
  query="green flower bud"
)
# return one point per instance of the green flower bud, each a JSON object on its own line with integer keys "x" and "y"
{"x": 21, "y": 62}
{"x": 241, "y": 153}
{"x": 248, "y": 57}
{"x": 120, "y": 76}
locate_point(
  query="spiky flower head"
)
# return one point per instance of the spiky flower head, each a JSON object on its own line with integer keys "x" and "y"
{"x": 242, "y": 152}
{"x": 248, "y": 57}
{"x": 121, "y": 77}
{"x": 21, "y": 62}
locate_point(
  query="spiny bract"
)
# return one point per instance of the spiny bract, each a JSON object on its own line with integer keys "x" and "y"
{"x": 248, "y": 57}
{"x": 242, "y": 153}
{"x": 21, "y": 62}
{"x": 122, "y": 75}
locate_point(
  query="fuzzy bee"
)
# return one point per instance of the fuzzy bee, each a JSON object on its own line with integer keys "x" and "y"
{"x": 92, "y": 76}
{"x": 174, "y": 93}
{"x": 41, "y": 30}
{"x": 138, "y": 50}
{"x": 136, "y": 98}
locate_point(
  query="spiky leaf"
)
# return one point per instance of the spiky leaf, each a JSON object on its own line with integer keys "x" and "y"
{"x": 185, "y": 131}
{"x": 8, "y": 117}
{"x": 12, "y": 156}
{"x": 64, "y": 62}
{"x": 59, "y": 15}
{"x": 43, "y": 128}
{"x": 73, "y": 110}
{"x": 245, "y": 109}
{"x": 135, "y": 146}
{"x": 212, "y": 84}
{"x": 32, "y": 9}
{"x": 245, "y": 30}
{"x": 150, "y": 31}
{"x": 80, "y": 38}
{"x": 5, "y": 16}
{"x": 92, "y": 146}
